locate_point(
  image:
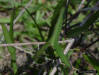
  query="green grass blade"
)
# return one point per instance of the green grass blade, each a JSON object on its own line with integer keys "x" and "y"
{"x": 4, "y": 20}
{"x": 40, "y": 52}
{"x": 54, "y": 41}
{"x": 85, "y": 26}
{"x": 55, "y": 37}
{"x": 60, "y": 53}
{"x": 11, "y": 24}
{"x": 36, "y": 24}
{"x": 55, "y": 16}
{"x": 10, "y": 49}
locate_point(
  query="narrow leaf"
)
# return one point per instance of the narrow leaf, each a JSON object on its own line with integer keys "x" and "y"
{"x": 84, "y": 26}
{"x": 10, "y": 49}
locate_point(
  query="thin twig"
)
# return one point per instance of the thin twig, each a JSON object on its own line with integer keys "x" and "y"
{"x": 68, "y": 46}
{"x": 22, "y": 44}
{"x": 54, "y": 70}
{"x": 30, "y": 43}
{"x": 70, "y": 42}
{"x": 92, "y": 43}
{"x": 81, "y": 4}
{"x": 21, "y": 49}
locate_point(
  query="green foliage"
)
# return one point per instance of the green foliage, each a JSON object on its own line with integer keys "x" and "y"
{"x": 11, "y": 25}
{"x": 55, "y": 16}
{"x": 75, "y": 73}
{"x": 10, "y": 49}
{"x": 36, "y": 25}
{"x": 8, "y": 35}
{"x": 45, "y": 22}
{"x": 84, "y": 26}
{"x": 55, "y": 37}
{"x": 53, "y": 41}
{"x": 92, "y": 62}
{"x": 4, "y": 20}
{"x": 78, "y": 63}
